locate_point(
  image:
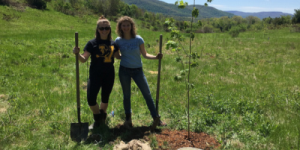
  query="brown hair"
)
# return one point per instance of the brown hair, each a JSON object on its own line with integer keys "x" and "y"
{"x": 119, "y": 23}
{"x": 102, "y": 19}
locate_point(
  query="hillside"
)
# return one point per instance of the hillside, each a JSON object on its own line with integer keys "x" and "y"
{"x": 245, "y": 91}
{"x": 260, "y": 15}
{"x": 157, "y": 6}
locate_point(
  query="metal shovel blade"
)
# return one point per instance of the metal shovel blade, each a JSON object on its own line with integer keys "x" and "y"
{"x": 79, "y": 131}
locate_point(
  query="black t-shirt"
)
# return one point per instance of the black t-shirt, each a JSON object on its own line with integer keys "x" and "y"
{"x": 102, "y": 53}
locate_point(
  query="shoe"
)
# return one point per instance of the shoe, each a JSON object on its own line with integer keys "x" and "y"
{"x": 96, "y": 124}
{"x": 128, "y": 122}
{"x": 162, "y": 124}
{"x": 103, "y": 116}
{"x": 157, "y": 122}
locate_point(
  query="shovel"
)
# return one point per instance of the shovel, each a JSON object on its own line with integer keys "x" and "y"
{"x": 158, "y": 75}
{"x": 79, "y": 131}
{"x": 157, "y": 120}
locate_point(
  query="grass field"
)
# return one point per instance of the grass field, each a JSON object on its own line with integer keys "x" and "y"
{"x": 246, "y": 90}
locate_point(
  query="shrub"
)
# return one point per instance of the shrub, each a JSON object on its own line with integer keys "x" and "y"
{"x": 148, "y": 25}
{"x": 39, "y": 4}
{"x": 234, "y": 31}
{"x": 243, "y": 27}
{"x": 208, "y": 29}
{"x": 154, "y": 28}
{"x": 257, "y": 26}
{"x": 295, "y": 28}
{"x": 188, "y": 30}
{"x": 4, "y": 2}
{"x": 63, "y": 7}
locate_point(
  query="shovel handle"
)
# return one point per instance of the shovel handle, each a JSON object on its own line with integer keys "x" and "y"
{"x": 158, "y": 75}
{"x": 77, "y": 79}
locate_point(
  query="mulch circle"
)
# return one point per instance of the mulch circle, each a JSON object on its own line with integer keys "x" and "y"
{"x": 177, "y": 139}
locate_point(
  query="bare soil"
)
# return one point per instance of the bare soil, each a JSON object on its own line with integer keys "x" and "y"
{"x": 166, "y": 139}
{"x": 177, "y": 139}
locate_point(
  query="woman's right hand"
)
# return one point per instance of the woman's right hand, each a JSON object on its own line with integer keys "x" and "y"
{"x": 76, "y": 50}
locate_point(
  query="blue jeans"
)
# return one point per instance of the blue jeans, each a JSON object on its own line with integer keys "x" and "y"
{"x": 137, "y": 74}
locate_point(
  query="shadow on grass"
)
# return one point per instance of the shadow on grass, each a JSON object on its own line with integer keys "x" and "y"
{"x": 105, "y": 135}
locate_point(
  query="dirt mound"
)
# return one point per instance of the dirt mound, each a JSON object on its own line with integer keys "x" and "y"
{"x": 133, "y": 145}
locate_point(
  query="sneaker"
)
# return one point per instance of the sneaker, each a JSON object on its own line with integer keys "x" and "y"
{"x": 162, "y": 124}
{"x": 103, "y": 116}
{"x": 128, "y": 122}
{"x": 97, "y": 121}
{"x": 155, "y": 123}
{"x": 94, "y": 125}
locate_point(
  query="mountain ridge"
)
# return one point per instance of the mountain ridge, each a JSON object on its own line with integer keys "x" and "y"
{"x": 167, "y": 9}
{"x": 261, "y": 15}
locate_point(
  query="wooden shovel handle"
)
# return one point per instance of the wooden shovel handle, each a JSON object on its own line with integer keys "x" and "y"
{"x": 158, "y": 75}
{"x": 77, "y": 79}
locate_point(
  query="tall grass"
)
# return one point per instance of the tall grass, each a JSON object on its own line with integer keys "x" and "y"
{"x": 246, "y": 90}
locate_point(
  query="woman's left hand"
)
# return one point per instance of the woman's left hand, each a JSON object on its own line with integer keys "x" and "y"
{"x": 159, "y": 56}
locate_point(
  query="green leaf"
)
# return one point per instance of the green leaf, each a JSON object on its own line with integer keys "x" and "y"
{"x": 182, "y": 72}
{"x": 175, "y": 34}
{"x": 195, "y": 12}
{"x": 191, "y": 85}
{"x": 205, "y": 4}
{"x": 177, "y": 77}
{"x": 181, "y": 4}
{"x": 171, "y": 44}
{"x": 194, "y": 64}
{"x": 192, "y": 36}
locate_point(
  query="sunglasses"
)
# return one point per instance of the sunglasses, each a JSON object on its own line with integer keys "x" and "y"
{"x": 104, "y": 28}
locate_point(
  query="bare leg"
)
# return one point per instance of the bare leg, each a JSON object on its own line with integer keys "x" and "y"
{"x": 103, "y": 106}
{"x": 95, "y": 109}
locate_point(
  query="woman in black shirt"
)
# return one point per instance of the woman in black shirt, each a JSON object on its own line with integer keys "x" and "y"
{"x": 102, "y": 50}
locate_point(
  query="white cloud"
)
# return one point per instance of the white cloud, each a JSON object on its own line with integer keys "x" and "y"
{"x": 218, "y": 6}
{"x": 252, "y": 9}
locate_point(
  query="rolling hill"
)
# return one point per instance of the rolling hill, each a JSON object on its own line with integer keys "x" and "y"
{"x": 157, "y": 6}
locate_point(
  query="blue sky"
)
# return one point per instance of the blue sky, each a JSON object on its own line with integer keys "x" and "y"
{"x": 286, "y": 6}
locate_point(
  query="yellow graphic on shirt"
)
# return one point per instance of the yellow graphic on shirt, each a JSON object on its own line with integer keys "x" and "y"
{"x": 109, "y": 56}
{"x": 106, "y": 52}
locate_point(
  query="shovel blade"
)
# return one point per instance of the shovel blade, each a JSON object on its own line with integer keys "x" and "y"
{"x": 79, "y": 131}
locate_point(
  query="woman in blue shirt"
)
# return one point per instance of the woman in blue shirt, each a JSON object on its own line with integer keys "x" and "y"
{"x": 131, "y": 47}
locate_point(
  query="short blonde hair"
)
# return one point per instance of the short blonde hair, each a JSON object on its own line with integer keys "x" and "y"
{"x": 119, "y": 23}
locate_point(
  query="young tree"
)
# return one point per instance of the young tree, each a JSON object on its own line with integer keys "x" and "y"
{"x": 175, "y": 34}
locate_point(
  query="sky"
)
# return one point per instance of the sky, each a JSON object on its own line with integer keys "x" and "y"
{"x": 285, "y": 6}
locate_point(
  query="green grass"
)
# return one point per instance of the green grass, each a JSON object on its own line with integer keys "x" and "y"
{"x": 246, "y": 90}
